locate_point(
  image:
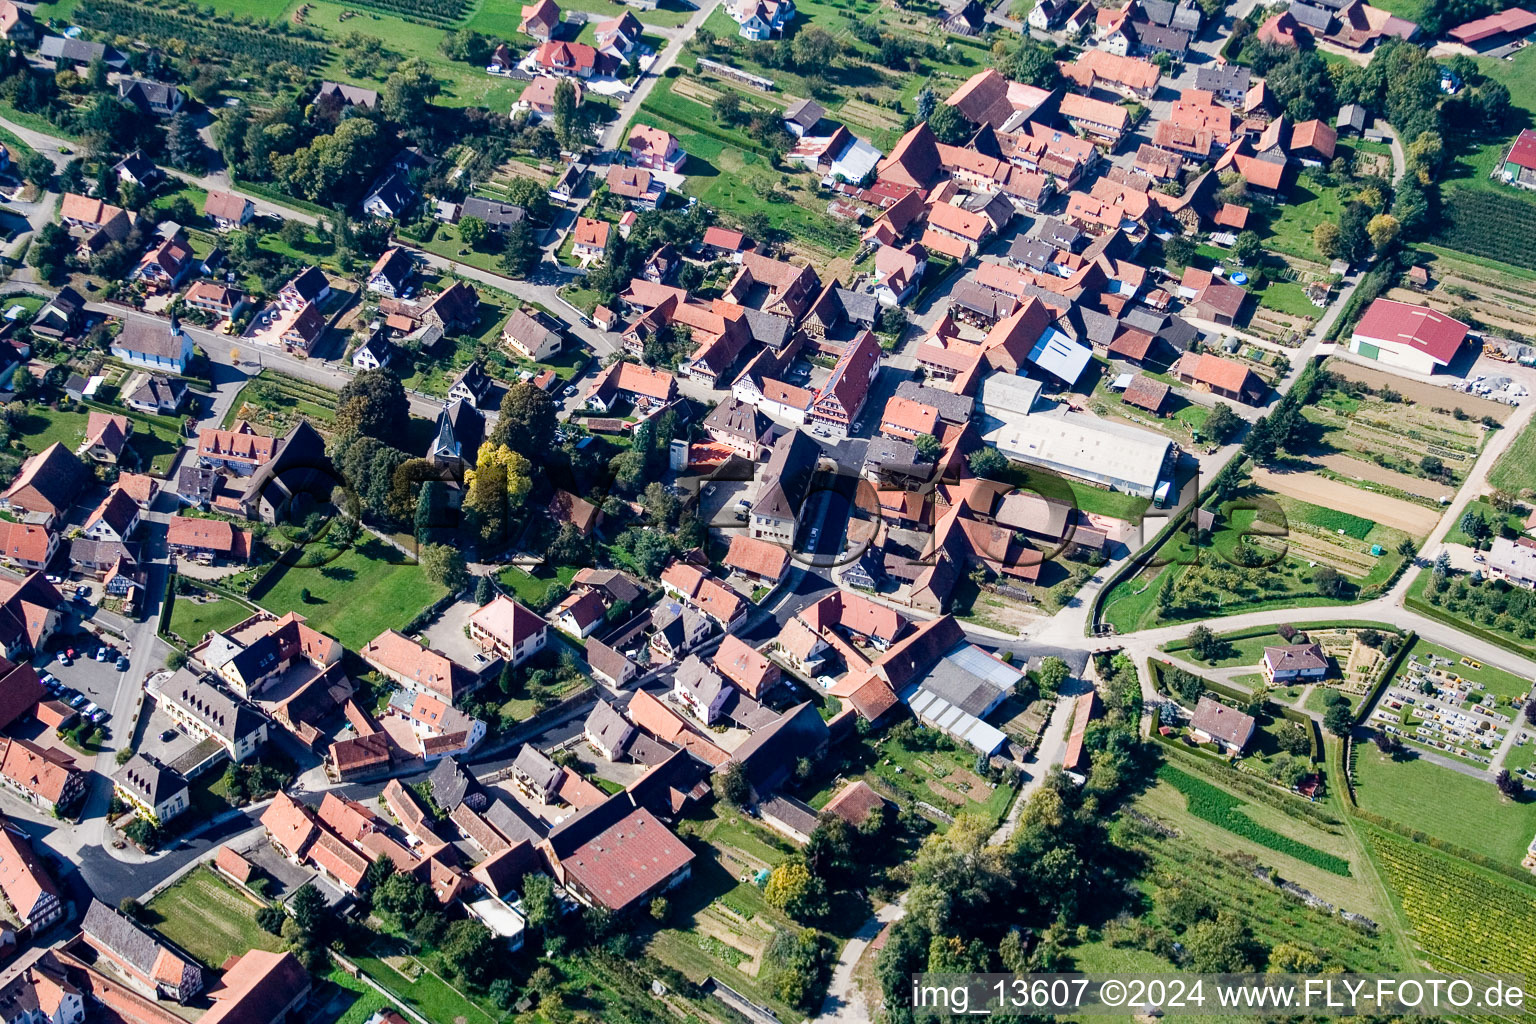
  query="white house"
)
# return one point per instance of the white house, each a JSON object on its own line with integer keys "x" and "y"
{"x": 154, "y": 345}
{"x": 1408, "y": 337}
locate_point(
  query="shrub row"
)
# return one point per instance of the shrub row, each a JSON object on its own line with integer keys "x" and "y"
{"x": 1223, "y": 809}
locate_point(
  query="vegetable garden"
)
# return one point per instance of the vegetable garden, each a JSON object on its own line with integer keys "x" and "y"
{"x": 1219, "y": 807}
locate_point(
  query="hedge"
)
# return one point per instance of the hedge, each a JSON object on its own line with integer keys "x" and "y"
{"x": 1210, "y": 803}
{"x": 1423, "y": 607}
{"x": 1174, "y": 646}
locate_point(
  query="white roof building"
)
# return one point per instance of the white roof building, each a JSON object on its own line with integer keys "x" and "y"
{"x": 1079, "y": 445}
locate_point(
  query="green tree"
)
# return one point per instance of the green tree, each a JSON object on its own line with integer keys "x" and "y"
{"x": 184, "y": 149}
{"x": 727, "y": 107}
{"x": 1051, "y": 674}
{"x": 485, "y": 591}
{"x": 570, "y": 124}
{"x": 51, "y": 246}
{"x": 473, "y": 231}
{"x": 1221, "y": 424}
{"x": 1338, "y": 719}
{"x": 37, "y": 168}
{"x": 407, "y": 92}
{"x": 373, "y": 404}
{"x": 814, "y": 47}
{"x": 989, "y": 463}
{"x": 1326, "y": 238}
{"x": 1203, "y": 643}
{"x": 731, "y": 784}
{"x": 1179, "y": 251}
{"x": 540, "y": 904}
{"x": 469, "y": 950}
{"x": 1220, "y": 946}
{"x": 794, "y": 890}
{"x": 520, "y": 253}
{"x": 444, "y": 564}
{"x": 526, "y": 422}
{"x": 948, "y": 125}
{"x": 928, "y": 447}
{"x": 308, "y": 909}
{"x": 1382, "y": 231}
{"x": 1247, "y": 249}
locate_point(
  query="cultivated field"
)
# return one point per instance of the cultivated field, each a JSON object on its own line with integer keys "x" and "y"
{"x": 1412, "y": 519}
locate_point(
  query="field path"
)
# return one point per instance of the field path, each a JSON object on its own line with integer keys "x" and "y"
{"x": 1348, "y": 465}
{"x": 1406, "y": 516}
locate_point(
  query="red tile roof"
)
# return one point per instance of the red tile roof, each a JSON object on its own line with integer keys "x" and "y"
{"x": 627, "y": 861}
{"x": 1421, "y": 329}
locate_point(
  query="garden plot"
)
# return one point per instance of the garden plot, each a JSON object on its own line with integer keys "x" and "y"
{"x": 1415, "y": 520}
{"x": 1397, "y": 436}
{"x": 1449, "y": 703}
{"x": 1502, "y": 300}
{"x": 1432, "y": 395}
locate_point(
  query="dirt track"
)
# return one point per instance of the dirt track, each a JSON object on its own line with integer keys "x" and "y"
{"x": 1347, "y": 465}
{"x": 1394, "y": 512}
{"x": 1431, "y": 395}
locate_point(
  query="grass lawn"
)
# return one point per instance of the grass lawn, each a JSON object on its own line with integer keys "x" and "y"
{"x": 347, "y": 1000}
{"x": 355, "y": 596}
{"x": 1444, "y": 803}
{"x": 941, "y": 777}
{"x": 531, "y": 588}
{"x": 1491, "y": 516}
{"x": 429, "y": 995}
{"x": 19, "y": 150}
{"x": 155, "y": 438}
{"x": 209, "y": 918}
{"x": 191, "y": 619}
{"x": 1515, "y": 470}
{"x": 1523, "y": 755}
{"x": 1286, "y": 297}
{"x": 1086, "y": 497}
{"x": 1290, "y": 229}
{"x": 1247, "y": 651}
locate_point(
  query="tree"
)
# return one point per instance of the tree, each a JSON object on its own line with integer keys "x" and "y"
{"x": 473, "y": 231}
{"x": 51, "y": 246}
{"x": 1203, "y": 643}
{"x": 1529, "y": 712}
{"x": 1179, "y": 251}
{"x": 1382, "y": 231}
{"x": 1221, "y": 424}
{"x": 485, "y": 591}
{"x": 37, "y": 169}
{"x": 1474, "y": 525}
{"x": 1051, "y": 674}
{"x": 520, "y": 253}
{"x": 541, "y": 906}
{"x": 130, "y": 907}
{"x": 948, "y": 125}
{"x": 926, "y": 103}
{"x": 1289, "y": 958}
{"x": 470, "y": 951}
{"x": 175, "y": 660}
{"x": 893, "y": 321}
{"x": 570, "y": 124}
{"x": 527, "y": 421}
{"x": 183, "y": 147}
{"x": 1222, "y": 946}
{"x": 308, "y": 909}
{"x": 377, "y": 874}
{"x": 989, "y": 463}
{"x": 1338, "y": 719}
{"x": 928, "y": 447}
{"x": 407, "y": 92}
{"x": 1032, "y": 64}
{"x": 731, "y": 785}
{"x": 727, "y": 107}
{"x": 497, "y": 485}
{"x": 1329, "y": 582}
{"x": 793, "y": 889}
{"x": 445, "y": 565}
{"x": 1326, "y": 237}
{"x": 660, "y": 908}
{"x": 1509, "y": 785}
{"x": 814, "y": 47}
{"x": 1247, "y": 249}
{"x": 373, "y": 404}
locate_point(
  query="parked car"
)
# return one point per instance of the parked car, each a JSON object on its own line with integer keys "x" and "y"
{"x": 82, "y": 591}
{"x": 101, "y": 654}
{"x": 90, "y": 708}
{"x": 168, "y": 735}
{"x": 51, "y": 578}
{"x": 122, "y": 663}
{"x": 77, "y": 701}
{"x": 98, "y": 716}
